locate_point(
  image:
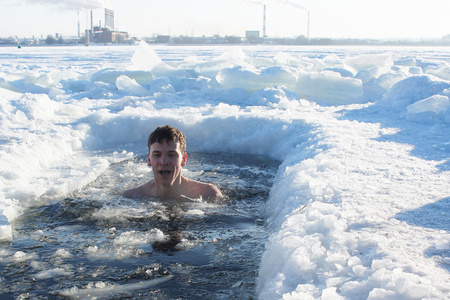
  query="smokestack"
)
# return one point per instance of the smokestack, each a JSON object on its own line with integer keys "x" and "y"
{"x": 264, "y": 22}
{"x": 78, "y": 17}
{"x": 307, "y": 32}
{"x": 92, "y": 22}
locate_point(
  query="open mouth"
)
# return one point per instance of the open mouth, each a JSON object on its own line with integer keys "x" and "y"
{"x": 164, "y": 173}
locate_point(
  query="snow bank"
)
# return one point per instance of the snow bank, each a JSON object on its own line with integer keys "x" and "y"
{"x": 411, "y": 90}
{"x": 332, "y": 211}
{"x": 368, "y": 61}
{"x": 329, "y": 88}
{"x": 111, "y": 76}
{"x": 252, "y": 80}
{"x": 434, "y": 107}
{"x": 146, "y": 58}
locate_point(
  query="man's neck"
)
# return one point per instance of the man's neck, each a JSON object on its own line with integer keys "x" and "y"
{"x": 172, "y": 191}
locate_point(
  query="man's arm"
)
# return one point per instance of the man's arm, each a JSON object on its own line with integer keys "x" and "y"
{"x": 214, "y": 192}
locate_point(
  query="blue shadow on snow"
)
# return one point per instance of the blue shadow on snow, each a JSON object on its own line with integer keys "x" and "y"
{"x": 430, "y": 141}
{"x": 434, "y": 215}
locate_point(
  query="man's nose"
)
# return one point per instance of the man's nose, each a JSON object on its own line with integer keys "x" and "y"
{"x": 164, "y": 160}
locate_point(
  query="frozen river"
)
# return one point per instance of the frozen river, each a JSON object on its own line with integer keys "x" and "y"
{"x": 351, "y": 145}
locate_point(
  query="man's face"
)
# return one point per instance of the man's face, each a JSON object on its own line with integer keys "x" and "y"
{"x": 166, "y": 161}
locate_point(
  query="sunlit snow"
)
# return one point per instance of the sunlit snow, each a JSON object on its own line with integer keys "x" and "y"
{"x": 359, "y": 208}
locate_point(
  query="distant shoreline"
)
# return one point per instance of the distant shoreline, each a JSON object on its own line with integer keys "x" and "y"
{"x": 241, "y": 45}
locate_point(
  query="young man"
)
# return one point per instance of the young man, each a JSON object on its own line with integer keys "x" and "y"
{"x": 167, "y": 156}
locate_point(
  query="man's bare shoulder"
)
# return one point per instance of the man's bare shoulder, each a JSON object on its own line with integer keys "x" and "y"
{"x": 191, "y": 189}
{"x": 198, "y": 189}
{"x": 144, "y": 190}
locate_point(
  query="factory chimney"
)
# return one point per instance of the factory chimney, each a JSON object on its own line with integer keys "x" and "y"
{"x": 78, "y": 17}
{"x": 264, "y": 22}
{"x": 307, "y": 33}
{"x": 92, "y": 22}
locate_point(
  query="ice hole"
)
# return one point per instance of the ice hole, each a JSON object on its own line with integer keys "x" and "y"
{"x": 107, "y": 246}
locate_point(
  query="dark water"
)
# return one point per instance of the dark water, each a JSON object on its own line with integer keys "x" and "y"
{"x": 96, "y": 244}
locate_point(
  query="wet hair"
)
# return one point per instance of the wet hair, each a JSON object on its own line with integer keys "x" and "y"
{"x": 166, "y": 134}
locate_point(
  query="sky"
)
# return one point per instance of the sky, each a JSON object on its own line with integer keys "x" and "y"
{"x": 373, "y": 19}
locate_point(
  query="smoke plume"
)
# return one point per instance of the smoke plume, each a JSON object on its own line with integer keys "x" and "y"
{"x": 74, "y": 4}
{"x": 291, "y": 3}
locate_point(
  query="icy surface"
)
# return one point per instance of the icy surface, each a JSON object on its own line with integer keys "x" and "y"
{"x": 360, "y": 205}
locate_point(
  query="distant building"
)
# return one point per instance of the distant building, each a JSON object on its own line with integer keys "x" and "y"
{"x": 252, "y": 36}
{"x": 162, "y": 39}
{"x": 106, "y": 35}
{"x": 109, "y": 18}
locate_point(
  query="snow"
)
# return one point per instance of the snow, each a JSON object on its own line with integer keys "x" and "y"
{"x": 359, "y": 208}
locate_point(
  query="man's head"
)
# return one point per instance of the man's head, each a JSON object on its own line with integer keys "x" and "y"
{"x": 167, "y": 155}
{"x": 166, "y": 134}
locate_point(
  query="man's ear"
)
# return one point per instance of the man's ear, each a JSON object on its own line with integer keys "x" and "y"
{"x": 184, "y": 161}
{"x": 148, "y": 160}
